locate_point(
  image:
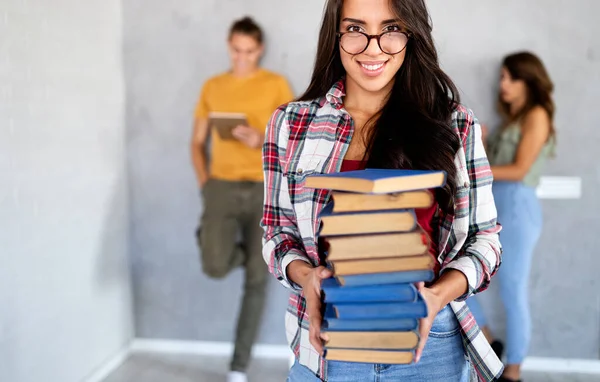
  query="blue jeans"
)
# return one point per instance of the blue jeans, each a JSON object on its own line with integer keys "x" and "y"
{"x": 443, "y": 359}
{"x": 520, "y": 214}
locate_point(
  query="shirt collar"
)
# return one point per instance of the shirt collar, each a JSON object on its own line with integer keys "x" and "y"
{"x": 335, "y": 95}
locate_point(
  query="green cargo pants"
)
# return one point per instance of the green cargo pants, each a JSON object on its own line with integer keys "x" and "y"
{"x": 231, "y": 208}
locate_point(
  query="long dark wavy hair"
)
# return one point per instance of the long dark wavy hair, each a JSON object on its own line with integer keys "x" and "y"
{"x": 413, "y": 129}
{"x": 529, "y": 68}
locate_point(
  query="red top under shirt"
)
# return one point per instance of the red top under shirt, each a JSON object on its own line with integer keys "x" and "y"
{"x": 425, "y": 216}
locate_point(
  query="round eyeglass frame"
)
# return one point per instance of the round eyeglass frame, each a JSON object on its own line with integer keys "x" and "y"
{"x": 376, "y": 37}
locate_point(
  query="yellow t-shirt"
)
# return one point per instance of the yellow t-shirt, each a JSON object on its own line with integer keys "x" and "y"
{"x": 257, "y": 96}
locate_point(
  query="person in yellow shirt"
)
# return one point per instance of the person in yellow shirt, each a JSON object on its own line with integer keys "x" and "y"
{"x": 232, "y": 183}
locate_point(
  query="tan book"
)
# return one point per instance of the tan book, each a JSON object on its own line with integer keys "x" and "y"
{"x": 376, "y": 246}
{"x": 224, "y": 123}
{"x": 357, "y": 267}
{"x": 373, "y": 340}
{"x": 367, "y": 222}
{"x": 354, "y": 202}
{"x": 370, "y": 356}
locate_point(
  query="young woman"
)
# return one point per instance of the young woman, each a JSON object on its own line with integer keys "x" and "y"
{"x": 232, "y": 186}
{"x": 517, "y": 153}
{"x": 378, "y": 98}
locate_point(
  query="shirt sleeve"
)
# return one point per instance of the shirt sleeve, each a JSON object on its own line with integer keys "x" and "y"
{"x": 282, "y": 242}
{"x": 481, "y": 254}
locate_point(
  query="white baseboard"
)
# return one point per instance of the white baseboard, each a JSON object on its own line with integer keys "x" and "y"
{"x": 562, "y": 365}
{"x": 109, "y": 366}
{"x": 225, "y": 349}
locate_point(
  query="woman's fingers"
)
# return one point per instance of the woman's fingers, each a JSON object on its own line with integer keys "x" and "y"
{"x": 313, "y": 307}
{"x": 315, "y": 336}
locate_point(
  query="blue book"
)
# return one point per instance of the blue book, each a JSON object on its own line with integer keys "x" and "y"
{"x": 378, "y": 181}
{"x": 382, "y": 278}
{"x": 387, "y": 310}
{"x": 333, "y": 324}
{"x": 334, "y": 293}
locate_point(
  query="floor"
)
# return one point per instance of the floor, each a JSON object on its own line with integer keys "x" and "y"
{"x": 154, "y": 367}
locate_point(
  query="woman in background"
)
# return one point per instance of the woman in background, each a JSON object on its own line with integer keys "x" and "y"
{"x": 517, "y": 153}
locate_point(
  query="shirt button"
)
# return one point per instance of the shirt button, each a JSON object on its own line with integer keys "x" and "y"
{"x": 466, "y": 184}
{"x": 300, "y": 171}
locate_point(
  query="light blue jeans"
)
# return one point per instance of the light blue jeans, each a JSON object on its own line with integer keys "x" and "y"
{"x": 443, "y": 359}
{"x": 520, "y": 215}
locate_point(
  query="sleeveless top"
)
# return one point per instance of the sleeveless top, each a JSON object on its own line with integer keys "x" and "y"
{"x": 503, "y": 149}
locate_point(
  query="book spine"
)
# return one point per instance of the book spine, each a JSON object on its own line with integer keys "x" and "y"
{"x": 377, "y": 293}
{"x": 373, "y": 325}
{"x": 386, "y": 278}
{"x": 366, "y": 311}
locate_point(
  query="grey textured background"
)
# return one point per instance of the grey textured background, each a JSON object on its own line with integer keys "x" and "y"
{"x": 65, "y": 288}
{"x": 170, "y": 50}
{"x": 79, "y": 81}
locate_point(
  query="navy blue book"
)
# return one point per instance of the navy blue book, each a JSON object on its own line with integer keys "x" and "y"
{"x": 333, "y": 324}
{"x": 386, "y": 310}
{"x": 381, "y": 278}
{"x": 378, "y": 181}
{"x": 334, "y": 293}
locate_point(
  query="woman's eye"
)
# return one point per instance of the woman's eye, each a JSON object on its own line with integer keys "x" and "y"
{"x": 392, "y": 28}
{"x": 354, "y": 28}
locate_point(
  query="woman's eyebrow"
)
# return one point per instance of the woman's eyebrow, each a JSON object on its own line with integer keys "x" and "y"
{"x": 355, "y": 21}
{"x": 358, "y": 21}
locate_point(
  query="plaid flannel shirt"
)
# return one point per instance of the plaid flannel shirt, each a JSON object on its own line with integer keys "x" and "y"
{"x": 305, "y": 138}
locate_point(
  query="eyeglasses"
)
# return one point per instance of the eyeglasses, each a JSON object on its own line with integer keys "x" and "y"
{"x": 392, "y": 42}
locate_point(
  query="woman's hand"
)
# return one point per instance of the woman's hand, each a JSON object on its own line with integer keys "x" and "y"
{"x": 434, "y": 304}
{"x": 311, "y": 287}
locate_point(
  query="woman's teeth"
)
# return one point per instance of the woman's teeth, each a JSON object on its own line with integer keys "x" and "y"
{"x": 372, "y": 67}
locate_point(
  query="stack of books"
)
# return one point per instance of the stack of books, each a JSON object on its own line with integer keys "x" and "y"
{"x": 377, "y": 252}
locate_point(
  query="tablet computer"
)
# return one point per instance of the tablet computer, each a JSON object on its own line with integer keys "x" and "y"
{"x": 224, "y": 123}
